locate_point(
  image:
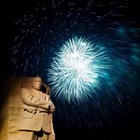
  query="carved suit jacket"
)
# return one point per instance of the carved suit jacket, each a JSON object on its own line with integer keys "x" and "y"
{"x": 35, "y": 112}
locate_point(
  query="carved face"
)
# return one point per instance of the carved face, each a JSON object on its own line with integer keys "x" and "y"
{"x": 37, "y": 83}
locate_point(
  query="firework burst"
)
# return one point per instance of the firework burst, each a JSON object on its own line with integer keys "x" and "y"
{"x": 77, "y": 68}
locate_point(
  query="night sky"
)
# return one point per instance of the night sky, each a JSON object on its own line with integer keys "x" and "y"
{"x": 35, "y": 37}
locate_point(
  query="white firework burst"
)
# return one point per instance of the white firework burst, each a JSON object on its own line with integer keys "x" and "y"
{"x": 76, "y": 69}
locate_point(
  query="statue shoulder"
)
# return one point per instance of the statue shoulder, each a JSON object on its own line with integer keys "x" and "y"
{"x": 25, "y": 93}
{"x": 25, "y": 90}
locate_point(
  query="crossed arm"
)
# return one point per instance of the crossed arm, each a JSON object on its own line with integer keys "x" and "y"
{"x": 28, "y": 99}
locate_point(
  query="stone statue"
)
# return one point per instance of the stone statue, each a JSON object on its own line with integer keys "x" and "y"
{"x": 36, "y": 121}
{"x": 31, "y": 117}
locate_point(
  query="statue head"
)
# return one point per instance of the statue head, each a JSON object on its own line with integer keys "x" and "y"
{"x": 36, "y": 82}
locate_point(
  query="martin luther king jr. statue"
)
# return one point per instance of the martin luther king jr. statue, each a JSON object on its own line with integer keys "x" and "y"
{"x": 34, "y": 112}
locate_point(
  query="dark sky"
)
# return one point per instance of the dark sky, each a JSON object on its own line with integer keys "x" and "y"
{"x": 122, "y": 127}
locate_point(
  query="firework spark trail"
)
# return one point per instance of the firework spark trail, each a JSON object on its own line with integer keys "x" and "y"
{"x": 110, "y": 54}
